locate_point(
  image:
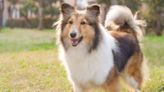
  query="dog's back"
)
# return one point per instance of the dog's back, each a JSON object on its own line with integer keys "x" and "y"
{"x": 129, "y": 59}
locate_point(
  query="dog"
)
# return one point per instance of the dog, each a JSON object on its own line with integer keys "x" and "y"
{"x": 93, "y": 55}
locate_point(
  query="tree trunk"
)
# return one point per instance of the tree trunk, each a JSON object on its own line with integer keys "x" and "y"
{"x": 158, "y": 28}
{"x": 40, "y": 16}
{"x": 1, "y": 12}
{"x": 158, "y": 23}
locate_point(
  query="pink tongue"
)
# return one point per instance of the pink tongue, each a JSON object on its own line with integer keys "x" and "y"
{"x": 74, "y": 41}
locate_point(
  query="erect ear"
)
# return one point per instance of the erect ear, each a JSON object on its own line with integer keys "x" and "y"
{"x": 66, "y": 9}
{"x": 93, "y": 10}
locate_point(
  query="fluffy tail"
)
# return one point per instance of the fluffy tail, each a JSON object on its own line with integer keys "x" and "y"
{"x": 121, "y": 17}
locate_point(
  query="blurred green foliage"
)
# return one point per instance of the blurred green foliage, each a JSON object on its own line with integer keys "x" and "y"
{"x": 154, "y": 7}
{"x": 151, "y": 10}
{"x": 49, "y": 13}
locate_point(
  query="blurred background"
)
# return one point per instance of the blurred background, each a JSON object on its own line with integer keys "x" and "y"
{"x": 42, "y": 13}
{"x": 28, "y": 53}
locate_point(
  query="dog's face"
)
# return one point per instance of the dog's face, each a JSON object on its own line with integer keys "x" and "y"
{"x": 78, "y": 26}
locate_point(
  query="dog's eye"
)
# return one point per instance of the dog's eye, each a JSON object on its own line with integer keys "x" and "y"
{"x": 70, "y": 22}
{"x": 83, "y": 23}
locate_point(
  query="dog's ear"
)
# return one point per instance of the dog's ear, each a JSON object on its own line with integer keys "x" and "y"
{"x": 93, "y": 10}
{"x": 66, "y": 9}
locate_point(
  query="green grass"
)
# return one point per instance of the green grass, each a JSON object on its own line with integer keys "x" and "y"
{"x": 153, "y": 48}
{"x": 29, "y": 62}
{"x": 27, "y": 40}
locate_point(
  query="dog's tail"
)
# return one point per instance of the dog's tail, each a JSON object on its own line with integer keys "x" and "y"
{"x": 121, "y": 18}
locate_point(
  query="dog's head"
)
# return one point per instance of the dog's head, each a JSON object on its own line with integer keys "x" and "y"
{"x": 79, "y": 26}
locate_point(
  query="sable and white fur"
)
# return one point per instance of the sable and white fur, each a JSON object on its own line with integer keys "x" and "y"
{"x": 90, "y": 69}
{"x": 90, "y": 66}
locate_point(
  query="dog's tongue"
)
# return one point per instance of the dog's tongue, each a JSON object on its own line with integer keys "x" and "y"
{"x": 74, "y": 42}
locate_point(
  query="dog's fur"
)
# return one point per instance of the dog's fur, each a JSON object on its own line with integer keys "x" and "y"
{"x": 97, "y": 57}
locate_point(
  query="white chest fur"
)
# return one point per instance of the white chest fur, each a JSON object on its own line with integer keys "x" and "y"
{"x": 89, "y": 67}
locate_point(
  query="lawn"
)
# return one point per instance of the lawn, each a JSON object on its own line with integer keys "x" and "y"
{"x": 29, "y": 62}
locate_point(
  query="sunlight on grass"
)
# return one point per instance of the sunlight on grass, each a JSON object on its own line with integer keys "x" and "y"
{"x": 154, "y": 51}
{"x": 32, "y": 71}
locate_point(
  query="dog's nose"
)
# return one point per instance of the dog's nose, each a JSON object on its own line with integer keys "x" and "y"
{"x": 73, "y": 34}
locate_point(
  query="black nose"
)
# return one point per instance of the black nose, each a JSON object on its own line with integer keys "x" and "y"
{"x": 73, "y": 35}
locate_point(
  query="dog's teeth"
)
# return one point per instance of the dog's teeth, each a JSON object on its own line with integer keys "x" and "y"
{"x": 75, "y": 42}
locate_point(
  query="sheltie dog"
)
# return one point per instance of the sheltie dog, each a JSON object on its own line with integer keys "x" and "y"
{"x": 95, "y": 55}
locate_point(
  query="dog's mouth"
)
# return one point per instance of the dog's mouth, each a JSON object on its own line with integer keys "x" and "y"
{"x": 76, "y": 41}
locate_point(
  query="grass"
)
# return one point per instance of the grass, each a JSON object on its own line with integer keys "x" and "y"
{"x": 29, "y": 63}
{"x": 154, "y": 51}
{"x": 27, "y": 40}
